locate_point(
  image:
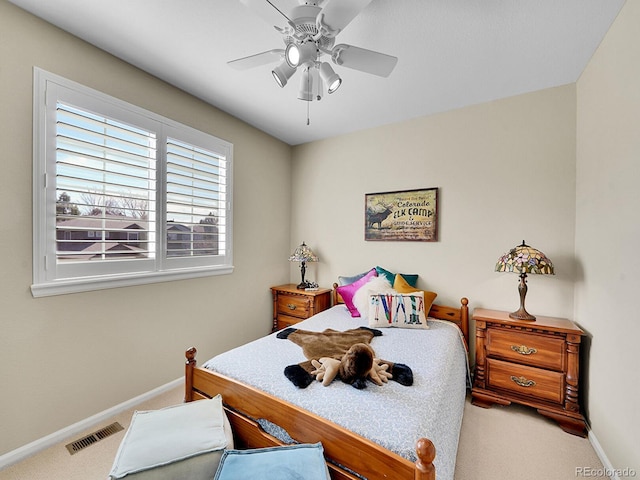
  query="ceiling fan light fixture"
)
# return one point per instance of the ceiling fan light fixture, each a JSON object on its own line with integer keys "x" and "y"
{"x": 309, "y": 33}
{"x": 299, "y": 54}
{"x": 282, "y": 73}
{"x": 331, "y": 78}
{"x": 306, "y": 86}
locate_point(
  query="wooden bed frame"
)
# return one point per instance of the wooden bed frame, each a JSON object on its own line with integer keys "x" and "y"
{"x": 345, "y": 451}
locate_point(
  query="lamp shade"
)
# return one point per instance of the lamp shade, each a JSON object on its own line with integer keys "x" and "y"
{"x": 525, "y": 259}
{"x": 330, "y": 77}
{"x": 299, "y": 54}
{"x": 303, "y": 254}
{"x": 282, "y": 73}
{"x": 306, "y": 85}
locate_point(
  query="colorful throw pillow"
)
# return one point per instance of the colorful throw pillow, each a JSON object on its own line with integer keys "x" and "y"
{"x": 403, "y": 310}
{"x": 412, "y": 279}
{"x": 378, "y": 284}
{"x": 348, "y": 291}
{"x": 402, "y": 286}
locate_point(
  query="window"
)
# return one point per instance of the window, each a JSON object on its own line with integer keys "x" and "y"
{"x": 129, "y": 197}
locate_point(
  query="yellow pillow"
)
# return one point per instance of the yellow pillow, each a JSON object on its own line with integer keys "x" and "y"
{"x": 400, "y": 285}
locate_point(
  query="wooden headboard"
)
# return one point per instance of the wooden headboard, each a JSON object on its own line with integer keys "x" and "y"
{"x": 458, "y": 315}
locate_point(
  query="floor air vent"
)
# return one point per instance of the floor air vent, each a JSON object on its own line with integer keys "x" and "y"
{"x": 84, "y": 442}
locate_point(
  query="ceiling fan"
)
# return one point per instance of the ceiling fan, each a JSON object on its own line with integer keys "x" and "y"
{"x": 309, "y": 32}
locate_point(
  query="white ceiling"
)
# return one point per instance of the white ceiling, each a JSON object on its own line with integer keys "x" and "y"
{"x": 452, "y": 53}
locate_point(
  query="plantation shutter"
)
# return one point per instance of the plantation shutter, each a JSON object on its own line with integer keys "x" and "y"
{"x": 130, "y": 197}
{"x": 105, "y": 188}
{"x": 196, "y": 199}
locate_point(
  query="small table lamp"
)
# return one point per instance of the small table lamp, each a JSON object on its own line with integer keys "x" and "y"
{"x": 303, "y": 254}
{"x": 524, "y": 259}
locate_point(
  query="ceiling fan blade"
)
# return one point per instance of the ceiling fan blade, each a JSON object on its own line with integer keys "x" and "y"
{"x": 271, "y": 13}
{"x": 337, "y": 14}
{"x": 257, "y": 60}
{"x": 364, "y": 60}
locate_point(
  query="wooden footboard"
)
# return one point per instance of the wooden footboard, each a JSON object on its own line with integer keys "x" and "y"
{"x": 346, "y": 452}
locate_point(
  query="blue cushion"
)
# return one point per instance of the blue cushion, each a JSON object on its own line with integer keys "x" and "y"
{"x": 293, "y": 462}
{"x": 342, "y": 280}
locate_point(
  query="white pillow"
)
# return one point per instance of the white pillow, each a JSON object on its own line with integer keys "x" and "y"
{"x": 375, "y": 285}
{"x": 403, "y": 310}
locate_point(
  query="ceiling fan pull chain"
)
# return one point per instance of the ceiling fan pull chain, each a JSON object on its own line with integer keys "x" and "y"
{"x": 309, "y": 90}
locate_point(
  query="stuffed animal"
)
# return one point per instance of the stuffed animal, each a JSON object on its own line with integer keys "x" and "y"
{"x": 357, "y": 361}
{"x": 345, "y": 355}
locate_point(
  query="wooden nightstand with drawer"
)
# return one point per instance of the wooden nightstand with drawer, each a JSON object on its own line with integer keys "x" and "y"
{"x": 291, "y": 305}
{"x": 531, "y": 363}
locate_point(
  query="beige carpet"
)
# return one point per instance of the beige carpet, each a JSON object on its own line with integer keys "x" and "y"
{"x": 495, "y": 444}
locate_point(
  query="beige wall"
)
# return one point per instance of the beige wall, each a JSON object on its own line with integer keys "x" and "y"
{"x": 505, "y": 172}
{"x": 65, "y": 358}
{"x": 608, "y": 235}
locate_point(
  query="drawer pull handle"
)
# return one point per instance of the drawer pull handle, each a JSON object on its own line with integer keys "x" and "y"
{"x": 291, "y": 306}
{"x": 523, "y": 382}
{"x": 523, "y": 349}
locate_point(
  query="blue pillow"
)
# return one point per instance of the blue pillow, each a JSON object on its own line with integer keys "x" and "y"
{"x": 412, "y": 279}
{"x": 301, "y": 461}
{"x": 349, "y": 280}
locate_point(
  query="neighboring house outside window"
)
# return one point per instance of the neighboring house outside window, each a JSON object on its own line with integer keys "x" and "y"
{"x": 75, "y": 241}
{"x": 129, "y": 197}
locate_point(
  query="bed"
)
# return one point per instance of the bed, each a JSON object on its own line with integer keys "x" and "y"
{"x": 351, "y": 438}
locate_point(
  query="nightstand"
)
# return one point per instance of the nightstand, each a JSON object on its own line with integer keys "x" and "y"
{"x": 530, "y": 363}
{"x": 291, "y": 305}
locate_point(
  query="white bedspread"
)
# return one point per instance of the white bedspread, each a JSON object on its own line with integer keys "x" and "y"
{"x": 391, "y": 415}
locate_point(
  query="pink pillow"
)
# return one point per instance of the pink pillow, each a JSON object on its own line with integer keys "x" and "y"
{"x": 348, "y": 291}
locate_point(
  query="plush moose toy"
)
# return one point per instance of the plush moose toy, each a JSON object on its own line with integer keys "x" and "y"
{"x": 346, "y": 355}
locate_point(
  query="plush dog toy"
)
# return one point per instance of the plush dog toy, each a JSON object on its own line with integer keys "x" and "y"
{"x": 345, "y": 355}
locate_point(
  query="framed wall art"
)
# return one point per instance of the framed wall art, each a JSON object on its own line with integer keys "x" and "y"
{"x": 409, "y": 215}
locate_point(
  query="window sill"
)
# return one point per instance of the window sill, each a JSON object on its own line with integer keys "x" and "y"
{"x": 88, "y": 284}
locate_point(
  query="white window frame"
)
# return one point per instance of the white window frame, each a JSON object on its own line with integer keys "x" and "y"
{"x": 50, "y": 278}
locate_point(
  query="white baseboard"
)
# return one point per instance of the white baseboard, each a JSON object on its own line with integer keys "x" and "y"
{"x": 43, "y": 443}
{"x": 608, "y": 468}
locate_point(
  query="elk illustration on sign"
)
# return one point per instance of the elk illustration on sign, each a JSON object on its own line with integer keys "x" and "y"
{"x": 404, "y": 215}
{"x": 378, "y": 215}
